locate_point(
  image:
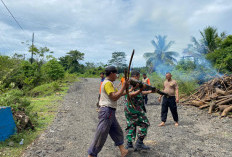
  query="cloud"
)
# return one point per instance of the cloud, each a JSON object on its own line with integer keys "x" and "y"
{"x": 100, "y": 27}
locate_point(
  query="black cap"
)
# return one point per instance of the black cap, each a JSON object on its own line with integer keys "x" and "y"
{"x": 110, "y": 69}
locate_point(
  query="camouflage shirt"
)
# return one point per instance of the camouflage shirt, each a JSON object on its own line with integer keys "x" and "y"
{"x": 138, "y": 103}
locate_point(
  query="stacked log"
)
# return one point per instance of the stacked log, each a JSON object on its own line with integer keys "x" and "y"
{"x": 216, "y": 95}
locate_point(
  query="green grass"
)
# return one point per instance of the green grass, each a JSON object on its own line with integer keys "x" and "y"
{"x": 46, "y": 108}
{"x": 45, "y": 89}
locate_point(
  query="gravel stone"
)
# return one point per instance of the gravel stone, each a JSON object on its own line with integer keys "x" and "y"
{"x": 198, "y": 135}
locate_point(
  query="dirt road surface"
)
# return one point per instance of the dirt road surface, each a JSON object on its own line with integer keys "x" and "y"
{"x": 199, "y": 134}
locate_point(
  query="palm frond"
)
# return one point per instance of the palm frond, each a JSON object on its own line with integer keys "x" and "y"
{"x": 155, "y": 44}
{"x": 148, "y": 55}
{"x": 170, "y": 60}
{"x": 194, "y": 40}
{"x": 161, "y": 40}
{"x": 168, "y": 45}
{"x": 172, "y": 53}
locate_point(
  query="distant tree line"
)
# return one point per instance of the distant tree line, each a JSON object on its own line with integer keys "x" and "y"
{"x": 212, "y": 52}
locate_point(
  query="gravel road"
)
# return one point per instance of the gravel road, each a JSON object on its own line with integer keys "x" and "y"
{"x": 199, "y": 134}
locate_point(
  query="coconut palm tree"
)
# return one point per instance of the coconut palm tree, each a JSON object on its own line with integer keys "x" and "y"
{"x": 161, "y": 55}
{"x": 209, "y": 35}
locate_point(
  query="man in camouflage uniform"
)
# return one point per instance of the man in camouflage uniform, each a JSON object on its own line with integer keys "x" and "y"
{"x": 136, "y": 116}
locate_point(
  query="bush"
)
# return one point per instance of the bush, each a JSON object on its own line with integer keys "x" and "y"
{"x": 26, "y": 75}
{"x": 70, "y": 77}
{"x": 52, "y": 70}
{"x": 222, "y": 59}
{"x": 157, "y": 80}
{"x": 16, "y": 100}
{"x": 187, "y": 83}
{"x": 45, "y": 89}
{"x": 186, "y": 65}
{"x": 13, "y": 98}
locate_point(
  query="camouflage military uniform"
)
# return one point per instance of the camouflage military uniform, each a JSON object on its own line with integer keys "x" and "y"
{"x": 136, "y": 117}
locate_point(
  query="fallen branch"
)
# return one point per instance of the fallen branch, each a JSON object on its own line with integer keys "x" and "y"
{"x": 226, "y": 111}
{"x": 204, "y": 106}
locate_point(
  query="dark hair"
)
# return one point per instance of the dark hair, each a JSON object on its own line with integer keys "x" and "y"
{"x": 110, "y": 69}
{"x": 168, "y": 73}
{"x": 135, "y": 73}
{"x": 102, "y": 73}
{"x": 144, "y": 74}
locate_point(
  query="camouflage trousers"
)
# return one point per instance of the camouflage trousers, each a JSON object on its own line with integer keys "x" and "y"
{"x": 134, "y": 120}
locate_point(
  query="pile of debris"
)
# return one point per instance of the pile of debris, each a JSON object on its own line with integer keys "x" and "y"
{"x": 22, "y": 120}
{"x": 215, "y": 94}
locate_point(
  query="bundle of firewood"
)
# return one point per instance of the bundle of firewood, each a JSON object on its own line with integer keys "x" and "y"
{"x": 216, "y": 95}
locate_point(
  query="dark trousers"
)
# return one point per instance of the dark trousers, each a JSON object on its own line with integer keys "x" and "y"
{"x": 108, "y": 124}
{"x": 171, "y": 103}
{"x": 145, "y": 99}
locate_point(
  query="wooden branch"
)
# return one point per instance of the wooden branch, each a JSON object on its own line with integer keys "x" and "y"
{"x": 221, "y": 92}
{"x": 225, "y": 101}
{"x": 204, "y": 106}
{"x": 197, "y": 103}
{"x": 222, "y": 107}
{"x": 212, "y": 105}
{"x": 226, "y": 111}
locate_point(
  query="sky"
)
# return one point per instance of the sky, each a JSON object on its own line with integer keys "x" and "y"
{"x": 98, "y": 28}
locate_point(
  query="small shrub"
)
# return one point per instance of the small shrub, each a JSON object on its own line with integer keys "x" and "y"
{"x": 13, "y": 98}
{"x": 70, "y": 77}
{"x": 52, "y": 70}
{"x": 157, "y": 80}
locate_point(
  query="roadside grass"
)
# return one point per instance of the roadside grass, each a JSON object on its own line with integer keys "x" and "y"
{"x": 45, "y": 89}
{"x": 45, "y": 106}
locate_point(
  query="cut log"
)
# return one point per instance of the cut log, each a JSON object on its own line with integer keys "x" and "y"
{"x": 204, "y": 106}
{"x": 229, "y": 92}
{"x": 221, "y": 92}
{"x": 226, "y": 111}
{"x": 197, "y": 103}
{"x": 222, "y": 99}
{"x": 216, "y": 95}
{"x": 225, "y": 101}
{"x": 222, "y": 107}
{"x": 212, "y": 106}
{"x": 213, "y": 96}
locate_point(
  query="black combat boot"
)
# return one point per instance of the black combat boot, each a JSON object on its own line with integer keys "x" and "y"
{"x": 140, "y": 145}
{"x": 129, "y": 145}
